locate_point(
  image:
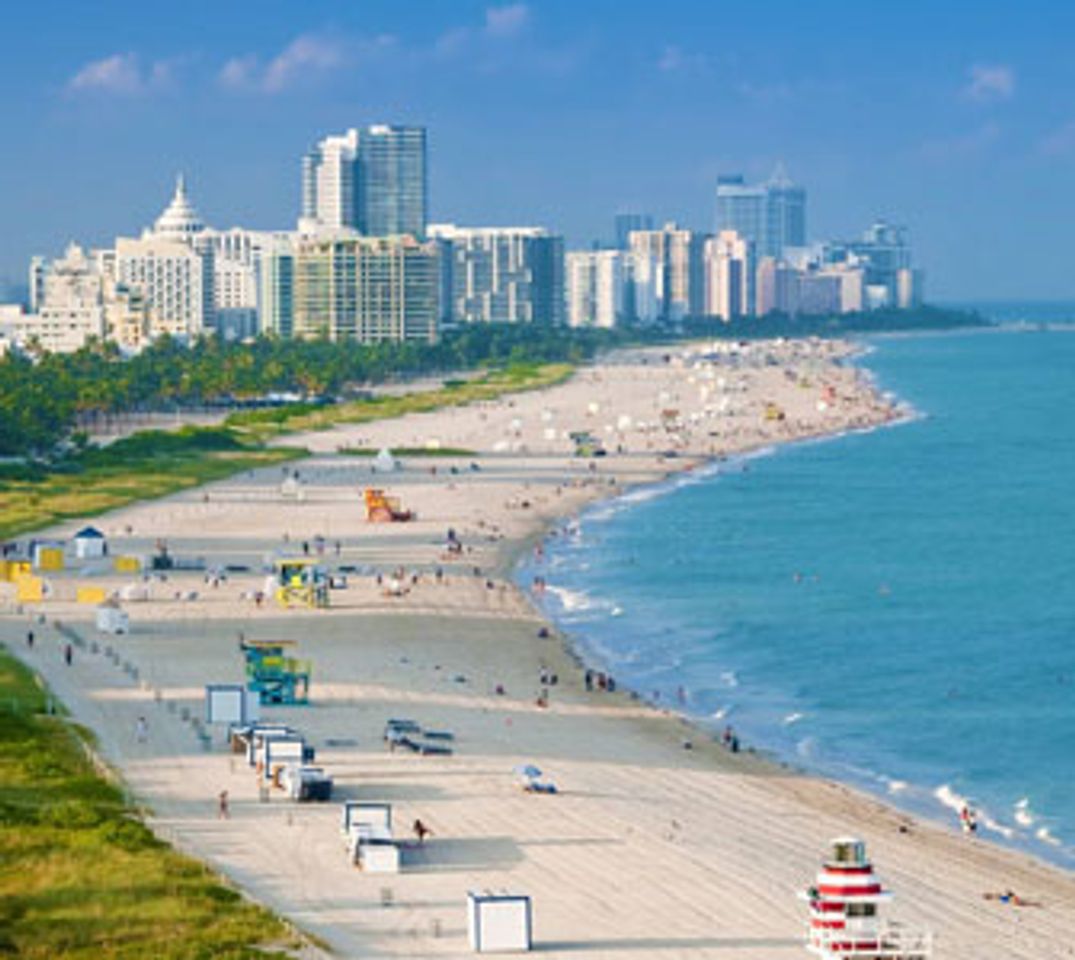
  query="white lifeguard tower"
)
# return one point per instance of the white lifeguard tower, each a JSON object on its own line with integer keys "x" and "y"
{"x": 844, "y": 920}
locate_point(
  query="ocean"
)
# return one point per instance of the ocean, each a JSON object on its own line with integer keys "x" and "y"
{"x": 894, "y": 609}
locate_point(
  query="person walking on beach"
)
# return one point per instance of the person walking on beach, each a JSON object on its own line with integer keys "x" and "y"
{"x": 141, "y": 730}
{"x": 68, "y": 654}
{"x": 222, "y": 806}
{"x": 30, "y": 639}
{"x": 421, "y": 831}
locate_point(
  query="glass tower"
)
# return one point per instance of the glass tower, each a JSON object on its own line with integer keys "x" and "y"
{"x": 391, "y": 189}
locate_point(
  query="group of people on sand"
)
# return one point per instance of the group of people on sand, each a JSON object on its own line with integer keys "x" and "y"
{"x": 597, "y": 680}
{"x": 730, "y": 739}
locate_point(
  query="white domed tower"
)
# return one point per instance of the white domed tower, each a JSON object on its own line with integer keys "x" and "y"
{"x": 180, "y": 221}
{"x": 844, "y": 912}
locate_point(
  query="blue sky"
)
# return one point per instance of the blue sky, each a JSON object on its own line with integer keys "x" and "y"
{"x": 956, "y": 119}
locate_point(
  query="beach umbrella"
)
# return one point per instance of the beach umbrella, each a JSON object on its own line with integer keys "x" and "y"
{"x": 529, "y": 771}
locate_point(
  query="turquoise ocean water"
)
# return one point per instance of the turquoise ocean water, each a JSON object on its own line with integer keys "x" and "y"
{"x": 895, "y": 609}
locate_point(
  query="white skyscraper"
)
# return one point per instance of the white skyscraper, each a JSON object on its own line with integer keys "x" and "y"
{"x": 674, "y": 256}
{"x": 594, "y": 283}
{"x": 729, "y": 276}
{"x": 328, "y": 183}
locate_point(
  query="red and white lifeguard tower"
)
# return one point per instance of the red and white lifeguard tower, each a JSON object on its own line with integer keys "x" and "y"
{"x": 844, "y": 920}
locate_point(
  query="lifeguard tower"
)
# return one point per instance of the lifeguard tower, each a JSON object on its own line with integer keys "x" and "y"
{"x": 301, "y": 582}
{"x": 276, "y": 677}
{"x": 844, "y": 921}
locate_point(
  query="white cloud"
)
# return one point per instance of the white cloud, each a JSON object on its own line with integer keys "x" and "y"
{"x": 304, "y": 60}
{"x": 989, "y": 83}
{"x": 123, "y": 74}
{"x": 506, "y": 21}
{"x": 119, "y": 73}
{"x": 305, "y": 55}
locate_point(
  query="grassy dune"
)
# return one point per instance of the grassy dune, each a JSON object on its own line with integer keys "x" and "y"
{"x": 80, "y": 876}
{"x": 264, "y": 424}
{"x": 147, "y": 465}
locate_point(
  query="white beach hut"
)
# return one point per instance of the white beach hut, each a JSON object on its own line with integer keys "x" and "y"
{"x": 384, "y": 462}
{"x": 90, "y": 543}
{"x": 112, "y": 619}
{"x": 499, "y": 922}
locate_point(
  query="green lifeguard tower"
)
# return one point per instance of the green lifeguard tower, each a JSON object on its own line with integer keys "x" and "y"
{"x": 275, "y": 676}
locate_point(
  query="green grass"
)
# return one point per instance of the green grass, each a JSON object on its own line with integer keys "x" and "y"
{"x": 263, "y": 424}
{"x": 150, "y": 464}
{"x": 155, "y": 463}
{"x": 81, "y": 876}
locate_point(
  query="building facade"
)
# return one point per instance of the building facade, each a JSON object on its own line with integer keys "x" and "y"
{"x": 670, "y": 260}
{"x": 366, "y": 289}
{"x": 501, "y": 274}
{"x": 772, "y": 215}
{"x": 729, "y": 276}
{"x": 627, "y": 223}
{"x": 595, "y": 285}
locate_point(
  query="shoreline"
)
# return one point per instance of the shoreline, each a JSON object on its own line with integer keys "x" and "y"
{"x": 597, "y": 746}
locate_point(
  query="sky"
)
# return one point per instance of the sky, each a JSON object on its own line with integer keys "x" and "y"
{"x": 954, "y": 119}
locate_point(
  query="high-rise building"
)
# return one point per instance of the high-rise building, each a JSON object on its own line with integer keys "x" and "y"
{"x": 166, "y": 266}
{"x": 276, "y": 289}
{"x": 772, "y": 215}
{"x": 391, "y": 188}
{"x": 674, "y": 255}
{"x": 328, "y": 182}
{"x": 884, "y": 253}
{"x": 70, "y": 306}
{"x": 776, "y": 288}
{"x": 501, "y": 274}
{"x": 367, "y": 289}
{"x": 595, "y": 287}
{"x": 371, "y": 179}
{"x": 628, "y": 223}
{"x": 729, "y": 276}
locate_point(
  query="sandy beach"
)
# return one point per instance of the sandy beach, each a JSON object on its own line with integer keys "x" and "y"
{"x": 648, "y": 849}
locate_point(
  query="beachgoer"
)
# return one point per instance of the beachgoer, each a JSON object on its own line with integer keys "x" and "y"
{"x": 30, "y": 639}
{"x": 968, "y": 820}
{"x": 222, "y": 805}
{"x": 588, "y": 679}
{"x": 421, "y": 831}
{"x": 68, "y": 654}
{"x": 610, "y": 684}
{"x": 141, "y": 730}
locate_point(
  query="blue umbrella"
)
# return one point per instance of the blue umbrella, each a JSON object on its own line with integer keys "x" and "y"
{"x": 529, "y": 771}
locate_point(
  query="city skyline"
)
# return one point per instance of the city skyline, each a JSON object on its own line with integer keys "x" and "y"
{"x": 545, "y": 113}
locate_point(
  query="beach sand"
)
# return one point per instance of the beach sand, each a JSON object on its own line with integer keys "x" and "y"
{"x": 649, "y": 849}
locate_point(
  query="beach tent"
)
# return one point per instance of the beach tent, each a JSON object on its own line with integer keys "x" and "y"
{"x": 499, "y": 922}
{"x": 112, "y": 619}
{"x": 384, "y": 462}
{"x": 230, "y": 703}
{"x": 90, "y": 543}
